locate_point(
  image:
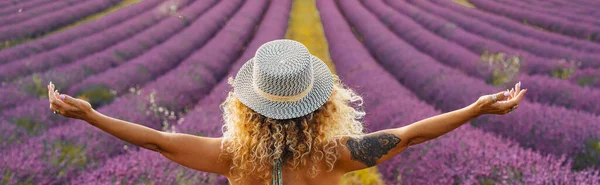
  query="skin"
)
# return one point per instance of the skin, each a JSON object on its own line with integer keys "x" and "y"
{"x": 369, "y": 150}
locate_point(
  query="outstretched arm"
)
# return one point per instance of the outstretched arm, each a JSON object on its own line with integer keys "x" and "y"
{"x": 377, "y": 147}
{"x": 200, "y": 153}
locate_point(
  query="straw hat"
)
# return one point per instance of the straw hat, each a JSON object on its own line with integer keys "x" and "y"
{"x": 283, "y": 81}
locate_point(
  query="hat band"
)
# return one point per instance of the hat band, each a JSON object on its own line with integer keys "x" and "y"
{"x": 278, "y": 98}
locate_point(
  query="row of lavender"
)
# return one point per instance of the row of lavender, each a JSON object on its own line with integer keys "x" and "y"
{"x": 531, "y": 46}
{"x": 554, "y": 24}
{"x": 571, "y": 6}
{"x": 36, "y": 11}
{"x": 34, "y": 118}
{"x": 205, "y": 120}
{"x": 507, "y": 24}
{"x": 455, "y": 158}
{"x": 84, "y": 46}
{"x": 459, "y": 56}
{"x": 80, "y": 56}
{"x": 77, "y": 147}
{"x": 534, "y": 46}
{"x": 565, "y": 13}
{"x": 9, "y": 3}
{"x": 582, "y": 77}
{"x": 51, "y": 21}
{"x": 8, "y": 9}
{"x": 58, "y": 39}
{"x": 548, "y": 129}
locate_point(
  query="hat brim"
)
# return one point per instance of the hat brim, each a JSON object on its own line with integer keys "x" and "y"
{"x": 318, "y": 95}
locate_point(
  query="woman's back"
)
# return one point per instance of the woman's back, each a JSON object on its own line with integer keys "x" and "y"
{"x": 297, "y": 177}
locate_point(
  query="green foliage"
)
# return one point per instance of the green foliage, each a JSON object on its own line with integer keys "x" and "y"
{"x": 67, "y": 154}
{"x": 7, "y": 178}
{"x": 567, "y": 69}
{"x": 586, "y": 80}
{"x": 121, "y": 56}
{"x": 507, "y": 174}
{"x": 97, "y": 95}
{"x": 562, "y": 72}
{"x": 36, "y": 88}
{"x": 505, "y": 69}
{"x": 589, "y": 156}
{"x": 32, "y": 126}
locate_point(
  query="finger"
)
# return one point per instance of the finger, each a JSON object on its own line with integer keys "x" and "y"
{"x": 518, "y": 88}
{"x": 58, "y": 104}
{"x": 514, "y": 101}
{"x": 512, "y": 93}
{"x": 50, "y": 91}
{"x": 68, "y": 99}
{"x": 520, "y": 95}
{"x": 55, "y": 95}
{"x": 52, "y": 96}
{"x": 502, "y": 95}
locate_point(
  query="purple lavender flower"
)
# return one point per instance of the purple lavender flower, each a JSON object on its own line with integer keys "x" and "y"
{"x": 82, "y": 47}
{"x": 65, "y": 37}
{"x": 554, "y": 24}
{"x": 53, "y": 20}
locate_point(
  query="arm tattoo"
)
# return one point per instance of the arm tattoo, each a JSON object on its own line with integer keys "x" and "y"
{"x": 370, "y": 148}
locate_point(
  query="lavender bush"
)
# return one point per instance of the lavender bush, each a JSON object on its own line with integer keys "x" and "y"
{"x": 20, "y": 5}
{"x": 83, "y": 47}
{"x": 581, "y": 19}
{"x": 65, "y": 37}
{"x": 37, "y": 11}
{"x": 565, "y": 5}
{"x": 102, "y": 88}
{"x": 454, "y": 55}
{"x": 53, "y": 20}
{"x": 540, "y": 48}
{"x": 588, "y": 77}
{"x": 559, "y": 25}
{"x": 532, "y": 64}
{"x": 501, "y": 22}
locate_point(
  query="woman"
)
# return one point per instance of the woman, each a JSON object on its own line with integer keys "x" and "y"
{"x": 288, "y": 116}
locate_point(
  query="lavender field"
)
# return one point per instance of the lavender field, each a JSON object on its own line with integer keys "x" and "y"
{"x": 165, "y": 64}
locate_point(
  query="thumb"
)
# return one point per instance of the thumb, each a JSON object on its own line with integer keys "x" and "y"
{"x": 502, "y": 95}
{"x": 68, "y": 99}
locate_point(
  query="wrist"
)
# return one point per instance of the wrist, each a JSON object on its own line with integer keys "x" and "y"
{"x": 90, "y": 116}
{"x": 473, "y": 110}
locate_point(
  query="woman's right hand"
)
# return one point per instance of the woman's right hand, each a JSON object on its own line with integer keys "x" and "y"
{"x": 500, "y": 103}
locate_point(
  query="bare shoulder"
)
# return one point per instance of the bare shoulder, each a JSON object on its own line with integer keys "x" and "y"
{"x": 370, "y": 149}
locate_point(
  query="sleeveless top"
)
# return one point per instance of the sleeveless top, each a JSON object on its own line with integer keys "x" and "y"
{"x": 277, "y": 176}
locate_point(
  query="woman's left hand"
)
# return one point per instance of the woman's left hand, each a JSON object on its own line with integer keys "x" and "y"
{"x": 499, "y": 103}
{"x": 66, "y": 105}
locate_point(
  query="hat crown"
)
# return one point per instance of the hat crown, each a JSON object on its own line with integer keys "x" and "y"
{"x": 283, "y": 68}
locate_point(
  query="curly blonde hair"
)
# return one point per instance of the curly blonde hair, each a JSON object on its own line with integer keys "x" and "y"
{"x": 252, "y": 141}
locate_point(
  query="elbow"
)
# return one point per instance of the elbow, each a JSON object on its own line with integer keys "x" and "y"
{"x": 155, "y": 144}
{"x": 413, "y": 136}
{"x": 152, "y": 147}
{"x": 417, "y": 140}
